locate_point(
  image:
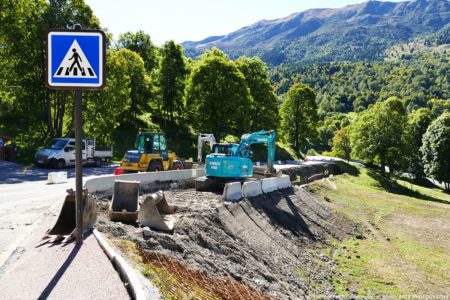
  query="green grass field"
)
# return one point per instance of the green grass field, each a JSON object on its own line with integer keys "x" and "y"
{"x": 406, "y": 246}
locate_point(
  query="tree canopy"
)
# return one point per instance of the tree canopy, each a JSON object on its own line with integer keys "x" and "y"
{"x": 173, "y": 71}
{"x": 217, "y": 97}
{"x": 376, "y": 134}
{"x": 141, "y": 43}
{"x": 417, "y": 124}
{"x": 36, "y": 113}
{"x": 264, "y": 110}
{"x": 436, "y": 149}
{"x": 299, "y": 116}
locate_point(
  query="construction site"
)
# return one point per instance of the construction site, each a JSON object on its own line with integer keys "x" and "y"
{"x": 228, "y": 228}
{"x": 225, "y": 227}
{"x": 270, "y": 245}
{"x": 160, "y": 150}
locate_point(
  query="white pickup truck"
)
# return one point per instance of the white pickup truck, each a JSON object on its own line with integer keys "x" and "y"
{"x": 60, "y": 152}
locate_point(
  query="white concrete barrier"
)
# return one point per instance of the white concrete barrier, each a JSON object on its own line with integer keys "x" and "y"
{"x": 284, "y": 182}
{"x": 269, "y": 184}
{"x": 232, "y": 191}
{"x": 57, "y": 177}
{"x": 106, "y": 183}
{"x": 252, "y": 189}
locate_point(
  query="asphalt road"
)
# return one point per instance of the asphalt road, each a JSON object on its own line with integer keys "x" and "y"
{"x": 25, "y": 199}
{"x": 13, "y": 174}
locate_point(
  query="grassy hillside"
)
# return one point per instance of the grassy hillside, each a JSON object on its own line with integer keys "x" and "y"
{"x": 404, "y": 248}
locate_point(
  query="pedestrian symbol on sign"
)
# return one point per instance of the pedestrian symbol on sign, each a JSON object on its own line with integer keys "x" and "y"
{"x": 75, "y": 58}
{"x": 75, "y": 64}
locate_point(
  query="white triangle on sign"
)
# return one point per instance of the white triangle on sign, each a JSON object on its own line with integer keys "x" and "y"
{"x": 75, "y": 64}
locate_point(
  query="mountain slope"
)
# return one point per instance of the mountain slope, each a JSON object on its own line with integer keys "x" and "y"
{"x": 438, "y": 43}
{"x": 355, "y": 32}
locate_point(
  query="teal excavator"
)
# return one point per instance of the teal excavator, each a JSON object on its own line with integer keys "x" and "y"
{"x": 237, "y": 163}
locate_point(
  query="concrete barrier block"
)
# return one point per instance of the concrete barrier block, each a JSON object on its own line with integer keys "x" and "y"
{"x": 284, "y": 182}
{"x": 252, "y": 189}
{"x": 106, "y": 183}
{"x": 57, "y": 177}
{"x": 269, "y": 184}
{"x": 232, "y": 191}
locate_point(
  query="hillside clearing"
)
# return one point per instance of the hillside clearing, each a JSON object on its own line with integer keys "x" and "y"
{"x": 406, "y": 245}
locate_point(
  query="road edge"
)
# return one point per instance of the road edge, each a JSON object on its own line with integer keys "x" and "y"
{"x": 139, "y": 286}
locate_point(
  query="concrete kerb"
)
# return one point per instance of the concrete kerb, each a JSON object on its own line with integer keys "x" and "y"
{"x": 232, "y": 191}
{"x": 139, "y": 286}
{"x": 106, "y": 183}
{"x": 269, "y": 185}
{"x": 252, "y": 189}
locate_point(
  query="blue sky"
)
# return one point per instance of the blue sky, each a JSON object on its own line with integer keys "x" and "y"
{"x": 183, "y": 20}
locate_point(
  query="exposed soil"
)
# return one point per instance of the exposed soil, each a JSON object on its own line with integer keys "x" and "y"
{"x": 272, "y": 243}
{"x": 304, "y": 174}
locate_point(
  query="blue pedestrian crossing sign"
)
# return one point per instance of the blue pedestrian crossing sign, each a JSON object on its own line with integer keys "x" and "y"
{"x": 75, "y": 59}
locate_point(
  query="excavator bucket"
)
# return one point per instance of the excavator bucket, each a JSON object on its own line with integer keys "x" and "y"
{"x": 66, "y": 222}
{"x": 155, "y": 212}
{"x": 125, "y": 201}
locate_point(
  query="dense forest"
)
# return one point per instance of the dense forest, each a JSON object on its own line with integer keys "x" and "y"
{"x": 392, "y": 113}
{"x": 351, "y": 87}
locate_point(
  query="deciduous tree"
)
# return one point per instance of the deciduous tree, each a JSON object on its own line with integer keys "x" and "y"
{"x": 139, "y": 84}
{"x": 172, "y": 78}
{"x": 376, "y": 134}
{"x": 436, "y": 150}
{"x": 416, "y": 126}
{"x": 141, "y": 43}
{"x": 104, "y": 110}
{"x": 341, "y": 144}
{"x": 264, "y": 109}
{"x": 299, "y": 116}
{"x": 37, "y": 113}
{"x": 217, "y": 97}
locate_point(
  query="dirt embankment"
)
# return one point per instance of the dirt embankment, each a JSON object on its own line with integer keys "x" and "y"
{"x": 304, "y": 174}
{"x": 272, "y": 243}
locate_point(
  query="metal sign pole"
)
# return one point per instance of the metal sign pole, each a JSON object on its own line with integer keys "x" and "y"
{"x": 76, "y": 61}
{"x": 78, "y": 167}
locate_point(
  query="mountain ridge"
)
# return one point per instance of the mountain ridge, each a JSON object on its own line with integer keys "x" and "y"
{"x": 354, "y": 32}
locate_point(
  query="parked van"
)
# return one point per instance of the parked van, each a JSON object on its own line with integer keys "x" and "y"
{"x": 60, "y": 152}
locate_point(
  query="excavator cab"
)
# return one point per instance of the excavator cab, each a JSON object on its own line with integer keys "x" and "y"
{"x": 226, "y": 149}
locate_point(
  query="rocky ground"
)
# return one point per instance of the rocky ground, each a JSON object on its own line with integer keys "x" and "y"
{"x": 274, "y": 244}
